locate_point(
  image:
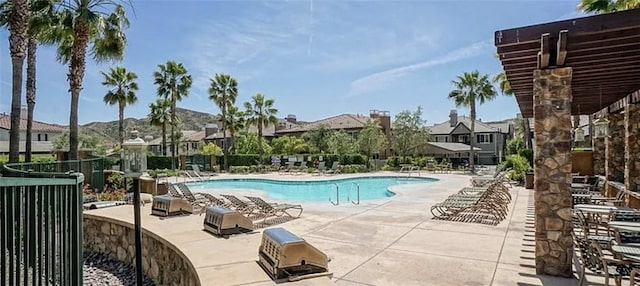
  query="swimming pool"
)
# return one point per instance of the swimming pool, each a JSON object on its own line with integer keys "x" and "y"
{"x": 316, "y": 190}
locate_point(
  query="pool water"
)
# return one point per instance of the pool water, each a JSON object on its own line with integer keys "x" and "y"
{"x": 317, "y": 190}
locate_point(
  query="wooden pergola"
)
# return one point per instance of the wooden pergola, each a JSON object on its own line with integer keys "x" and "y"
{"x": 588, "y": 65}
{"x": 603, "y": 50}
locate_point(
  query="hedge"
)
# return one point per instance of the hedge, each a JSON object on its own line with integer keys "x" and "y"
{"x": 395, "y": 161}
{"x": 160, "y": 162}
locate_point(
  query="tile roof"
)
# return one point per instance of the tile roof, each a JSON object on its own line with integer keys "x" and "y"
{"x": 342, "y": 121}
{"x": 5, "y": 123}
{"x": 446, "y": 128}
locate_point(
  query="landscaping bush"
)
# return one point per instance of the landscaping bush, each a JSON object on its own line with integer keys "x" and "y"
{"x": 519, "y": 167}
{"x": 238, "y": 169}
{"x": 160, "y": 162}
{"x": 354, "y": 168}
{"x": 168, "y": 172}
{"x": 527, "y": 153}
{"x": 240, "y": 160}
{"x": 394, "y": 162}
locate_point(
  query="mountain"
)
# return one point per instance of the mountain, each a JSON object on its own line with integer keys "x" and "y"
{"x": 107, "y": 132}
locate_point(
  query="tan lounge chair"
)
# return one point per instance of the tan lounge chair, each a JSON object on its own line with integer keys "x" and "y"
{"x": 240, "y": 205}
{"x": 275, "y": 209}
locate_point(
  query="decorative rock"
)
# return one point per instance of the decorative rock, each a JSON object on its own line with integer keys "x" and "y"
{"x": 98, "y": 269}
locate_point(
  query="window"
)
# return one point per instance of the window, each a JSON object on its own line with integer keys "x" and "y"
{"x": 463, "y": 138}
{"x": 441, "y": 138}
{"x": 46, "y": 137}
{"x": 39, "y": 137}
{"x": 484, "y": 138}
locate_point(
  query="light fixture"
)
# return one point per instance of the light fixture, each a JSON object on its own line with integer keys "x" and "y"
{"x": 578, "y": 133}
{"x": 601, "y": 125}
{"x": 134, "y": 155}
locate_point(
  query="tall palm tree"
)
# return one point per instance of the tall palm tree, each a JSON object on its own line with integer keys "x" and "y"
{"x": 234, "y": 121}
{"x": 607, "y": 6}
{"x": 261, "y": 113}
{"x": 223, "y": 91}
{"x": 503, "y": 83}
{"x": 94, "y": 25}
{"x": 469, "y": 88}
{"x": 41, "y": 19}
{"x": 15, "y": 15}
{"x": 160, "y": 115}
{"x": 123, "y": 92}
{"x": 173, "y": 83}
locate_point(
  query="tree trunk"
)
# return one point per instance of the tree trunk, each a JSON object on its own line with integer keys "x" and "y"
{"x": 472, "y": 153}
{"x": 173, "y": 132}
{"x": 225, "y": 151}
{"x": 19, "y": 17}
{"x": 31, "y": 95}
{"x": 121, "y": 105}
{"x": 164, "y": 139}
{"x": 260, "y": 137}
{"x": 75, "y": 77}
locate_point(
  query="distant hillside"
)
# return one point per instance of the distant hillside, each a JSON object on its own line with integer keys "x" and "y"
{"x": 108, "y": 131}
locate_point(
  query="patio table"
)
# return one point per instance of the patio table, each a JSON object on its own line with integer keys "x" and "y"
{"x": 580, "y": 186}
{"x": 632, "y": 226}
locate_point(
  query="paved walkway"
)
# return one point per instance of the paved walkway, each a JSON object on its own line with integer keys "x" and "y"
{"x": 393, "y": 241}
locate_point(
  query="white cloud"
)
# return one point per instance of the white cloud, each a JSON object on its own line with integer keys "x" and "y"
{"x": 241, "y": 46}
{"x": 379, "y": 80}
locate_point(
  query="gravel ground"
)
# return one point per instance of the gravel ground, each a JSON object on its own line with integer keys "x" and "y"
{"x": 101, "y": 270}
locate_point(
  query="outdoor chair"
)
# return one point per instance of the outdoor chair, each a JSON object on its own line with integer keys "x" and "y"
{"x": 196, "y": 169}
{"x": 593, "y": 258}
{"x": 592, "y": 231}
{"x": 198, "y": 202}
{"x": 321, "y": 168}
{"x": 274, "y": 209}
{"x": 334, "y": 168}
{"x": 484, "y": 207}
{"x": 243, "y": 207}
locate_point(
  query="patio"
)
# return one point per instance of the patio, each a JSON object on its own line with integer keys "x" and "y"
{"x": 583, "y": 66}
{"x": 384, "y": 242}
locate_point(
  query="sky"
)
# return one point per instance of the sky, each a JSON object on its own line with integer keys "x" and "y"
{"x": 316, "y": 58}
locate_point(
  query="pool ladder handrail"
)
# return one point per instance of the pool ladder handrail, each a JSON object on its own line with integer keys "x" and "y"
{"x": 337, "y": 195}
{"x": 357, "y": 193}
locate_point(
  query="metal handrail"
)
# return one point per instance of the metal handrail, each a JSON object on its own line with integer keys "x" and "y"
{"x": 337, "y": 196}
{"x": 357, "y": 194}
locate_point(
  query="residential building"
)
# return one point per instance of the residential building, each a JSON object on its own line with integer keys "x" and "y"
{"x": 454, "y": 137}
{"x": 42, "y": 134}
{"x": 350, "y": 123}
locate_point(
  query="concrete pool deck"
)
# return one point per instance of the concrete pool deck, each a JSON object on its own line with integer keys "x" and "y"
{"x": 392, "y": 241}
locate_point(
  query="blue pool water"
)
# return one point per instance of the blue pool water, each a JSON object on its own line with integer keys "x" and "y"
{"x": 317, "y": 190}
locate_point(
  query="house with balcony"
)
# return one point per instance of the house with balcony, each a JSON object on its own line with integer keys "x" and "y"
{"x": 451, "y": 139}
{"x": 42, "y": 134}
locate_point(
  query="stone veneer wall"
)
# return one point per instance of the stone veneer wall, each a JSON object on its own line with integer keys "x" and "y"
{"x": 614, "y": 166}
{"x": 161, "y": 261}
{"x": 632, "y": 150}
{"x": 598, "y": 156}
{"x": 552, "y": 160}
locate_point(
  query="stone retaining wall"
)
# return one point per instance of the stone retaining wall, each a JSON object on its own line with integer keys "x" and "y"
{"x": 161, "y": 260}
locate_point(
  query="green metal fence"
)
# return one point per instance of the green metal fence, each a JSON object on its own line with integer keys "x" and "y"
{"x": 92, "y": 169}
{"x": 41, "y": 228}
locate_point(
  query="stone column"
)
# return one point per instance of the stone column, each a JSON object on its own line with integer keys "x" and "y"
{"x": 598, "y": 153}
{"x": 614, "y": 149}
{"x": 632, "y": 147}
{"x": 552, "y": 160}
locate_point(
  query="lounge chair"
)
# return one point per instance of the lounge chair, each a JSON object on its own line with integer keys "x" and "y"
{"x": 334, "y": 168}
{"x": 476, "y": 205}
{"x": 243, "y": 207}
{"x": 196, "y": 199}
{"x": 321, "y": 168}
{"x": 202, "y": 174}
{"x": 274, "y": 209}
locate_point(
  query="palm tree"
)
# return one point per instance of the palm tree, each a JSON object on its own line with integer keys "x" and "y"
{"x": 173, "y": 83}
{"x": 160, "y": 115}
{"x": 234, "y": 121}
{"x": 15, "y": 15}
{"x": 607, "y": 6}
{"x": 123, "y": 92}
{"x": 94, "y": 25}
{"x": 503, "y": 83}
{"x": 223, "y": 91}
{"x": 469, "y": 88}
{"x": 261, "y": 113}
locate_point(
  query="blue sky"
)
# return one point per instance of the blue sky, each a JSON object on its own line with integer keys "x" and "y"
{"x": 315, "y": 58}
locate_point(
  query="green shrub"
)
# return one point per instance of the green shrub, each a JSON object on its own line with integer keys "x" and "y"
{"x": 240, "y": 160}
{"x": 160, "y": 162}
{"x": 354, "y": 168}
{"x": 527, "y": 153}
{"x": 238, "y": 169}
{"x": 519, "y": 167}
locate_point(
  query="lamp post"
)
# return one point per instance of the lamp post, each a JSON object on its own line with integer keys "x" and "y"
{"x": 134, "y": 158}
